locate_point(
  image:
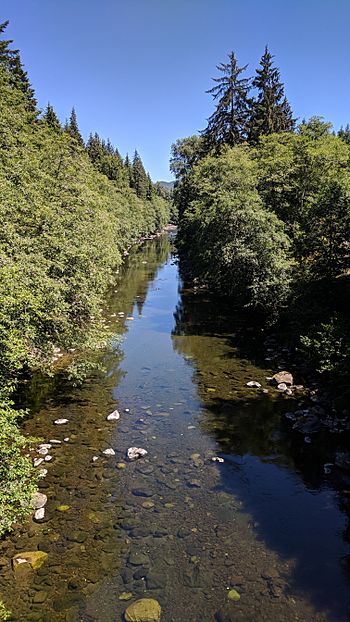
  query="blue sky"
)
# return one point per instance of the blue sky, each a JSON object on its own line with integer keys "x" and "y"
{"x": 137, "y": 70}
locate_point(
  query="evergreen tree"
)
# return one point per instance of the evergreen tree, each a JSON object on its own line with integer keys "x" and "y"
{"x": 11, "y": 61}
{"x": 271, "y": 111}
{"x": 51, "y": 118}
{"x": 139, "y": 180}
{"x": 344, "y": 134}
{"x": 72, "y": 128}
{"x": 228, "y": 124}
{"x": 150, "y": 188}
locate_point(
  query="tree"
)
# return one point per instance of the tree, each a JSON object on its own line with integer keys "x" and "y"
{"x": 72, "y": 128}
{"x": 51, "y": 118}
{"x": 271, "y": 111}
{"x": 228, "y": 124}
{"x": 344, "y": 134}
{"x": 11, "y": 62}
{"x": 139, "y": 181}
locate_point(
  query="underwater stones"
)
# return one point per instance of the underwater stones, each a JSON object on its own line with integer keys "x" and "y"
{"x": 217, "y": 459}
{"x": 194, "y": 483}
{"x": 143, "y": 610}
{"x": 38, "y": 500}
{"x": 125, "y": 596}
{"x": 39, "y": 514}
{"x": 142, "y": 492}
{"x": 148, "y": 505}
{"x": 109, "y": 452}
{"x": 61, "y": 421}
{"x": 134, "y": 453}
{"x": 137, "y": 558}
{"x": 253, "y": 384}
{"x": 282, "y": 377}
{"x": 31, "y": 559}
{"x": 114, "y": 416}
{"x": 63, "y": 508}
{"x": 121, "y": 466}
{"x": 233, "y": 595}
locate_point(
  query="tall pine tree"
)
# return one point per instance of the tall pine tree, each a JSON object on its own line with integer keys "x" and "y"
{"x": 229, "y": 123}
{"x": 71, "y": 127}
{"x": 11, "y": 61}
{"x": 271, "y": 111}
{"x": 139, "y": 181}
{"x": 51, "y": 118}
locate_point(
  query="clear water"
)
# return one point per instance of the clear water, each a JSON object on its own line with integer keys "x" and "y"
{"x": 175, "y": 525}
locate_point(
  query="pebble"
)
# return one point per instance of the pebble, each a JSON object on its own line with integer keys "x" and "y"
{"x": 39, "y": 514}
{"x": 109, "y": 452}
{"x": 37, "y": 461}
{"x": 217, "y": 459}
{"x": 253, "y": 384}
{"x": 38, "y": 500}
{"x": 54, "y": 441}
{"x": 114, "y": 416}
{"x": 48, "y": 458}
{"x": 60, "y": 421}
{"x": 134, "y": 453}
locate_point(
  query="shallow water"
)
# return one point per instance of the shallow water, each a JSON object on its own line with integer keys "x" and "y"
{"x": 174, "y": 525}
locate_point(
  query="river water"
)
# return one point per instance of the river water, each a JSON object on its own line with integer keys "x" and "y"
{"x": 175, "y": 525}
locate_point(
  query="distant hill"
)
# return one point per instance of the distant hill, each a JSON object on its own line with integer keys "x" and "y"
{"x": 169, "y": 185}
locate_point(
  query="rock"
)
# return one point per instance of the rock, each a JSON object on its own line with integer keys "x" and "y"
{"x": 308, "y": 425}
{"x": 43, "y": 473}
{"x": 42, "y": 451}
{"x": 39, "y": 514}
{"x": 194, "y": 483}
{"x": 37, "y": 461}
{"x": 134, "y": 453}
{"x": 32, "y": 559}
{"x": 233, "y": 595}
{"x": 217, "y": 459}
{"x": 63, "y": 508}
{"x": 55, "y": 441}
{"x": 125, "y": 596}
{"x": 253, "y": 384}
{"x": 39, "y": 500}
{"x": 94, "y": 458}
{"x": 114, "y": 416}
{"x": 60, "y": 421}
{"x": 121, "y": 466}
{"x": 137, "y": 558}
{"x": 148, "y": 505}
{"x": 282, "y": 377}
{"x": 192, "y": 576}
{"x": 48, "y": 458}
{"x": 109, "y": 452}
{"x": 282, "y": 387}
{"x": 143, "y": 610}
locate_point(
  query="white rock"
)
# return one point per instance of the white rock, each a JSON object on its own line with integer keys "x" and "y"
{"x": 114, "y": 416}
{"x": 253, "y": 384}
{"x": 66, "y": 439}
{"x": 43, "y": 451}
{"x": 45, "y": 446}
{"x": 54, "y": 441}
{"x": 60, "y": 421}
{"x": 48, "y": 458}
{"x": 39, "y": 514}
{"x": 134, "y": 453}
{"x": 43, "y": 472}
{"x": 38, "y": 500}
{"x": 217, "y": 459}
{"x": 94, "y": 458}
{"x": 127, "y": 410}
{"x": 109, "y": 452}
{"x": 37, "y": 461}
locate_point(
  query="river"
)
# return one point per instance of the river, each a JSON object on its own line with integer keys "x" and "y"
{"x": 176, "y": 525}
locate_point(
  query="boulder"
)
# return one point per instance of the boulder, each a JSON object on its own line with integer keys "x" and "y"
{"x": 134, "y": 453}
{"x": 143, "y": 610}
{"x": 282, "y": 377}
{"x": 32, "y": 559}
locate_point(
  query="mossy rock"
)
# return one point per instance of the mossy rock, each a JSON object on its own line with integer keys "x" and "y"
{"x": 29, "y": 559}
{"x": 143, "y": 610}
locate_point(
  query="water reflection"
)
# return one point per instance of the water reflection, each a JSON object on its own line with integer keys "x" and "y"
{"x": 296, "y": 508}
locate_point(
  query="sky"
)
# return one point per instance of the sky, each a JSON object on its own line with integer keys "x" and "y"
{"x": 136, "y": 71}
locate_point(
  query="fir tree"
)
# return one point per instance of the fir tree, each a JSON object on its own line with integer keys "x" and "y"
{"x": 228, "y": 124}
{"x": 139, "y": 180}
{"x": 150, "y": 188}
{"x": 72, "y": 128}
{"x": 11, "y": 61}
{"x": 51, "y": 118}
{"x": 271, "y": 112}
{"x": 344, "y": 134}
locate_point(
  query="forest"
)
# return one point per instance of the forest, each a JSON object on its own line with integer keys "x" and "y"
{"x": 264, "y": 216}
{"x": 69, "y": 211}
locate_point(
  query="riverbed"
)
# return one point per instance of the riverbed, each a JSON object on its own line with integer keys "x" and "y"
{"x": 225, "y": 499}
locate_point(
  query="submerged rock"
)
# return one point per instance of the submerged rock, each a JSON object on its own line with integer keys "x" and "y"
{"x": 114, "y": 416}
{"x": 61, "y": 421}
{"x": 31, "y": 559}
{"x": 109, "y": 452}
{"x": 134, "y": 453}
{"x": 143, "y": 610}
{"x": 282, "y": 377}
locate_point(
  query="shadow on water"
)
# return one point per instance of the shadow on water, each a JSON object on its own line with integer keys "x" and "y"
{"x": 298, "y": 510}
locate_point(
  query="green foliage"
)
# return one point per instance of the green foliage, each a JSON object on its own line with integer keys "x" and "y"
{"x": 230, "y": 239}
{"x": 5, "y": 614}
{"x": 328, "y": 347}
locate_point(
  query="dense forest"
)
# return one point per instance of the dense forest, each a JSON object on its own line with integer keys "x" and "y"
{"x": 69, "y": 211}
{"x": 264, "y": 214}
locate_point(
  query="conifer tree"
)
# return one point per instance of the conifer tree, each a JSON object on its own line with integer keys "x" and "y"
{"x": 11, "y": 61}
{"x": 128, "y": 169}
{"x": 139, "y": 180}
{"x": 72, "y": 128}
{"x": 228, "y": 124}
{"x": 344, "y": 134}
{"x": 271, "y": 112}
{"x": 150, "y": 188}
{"x": 51, "y": 118}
